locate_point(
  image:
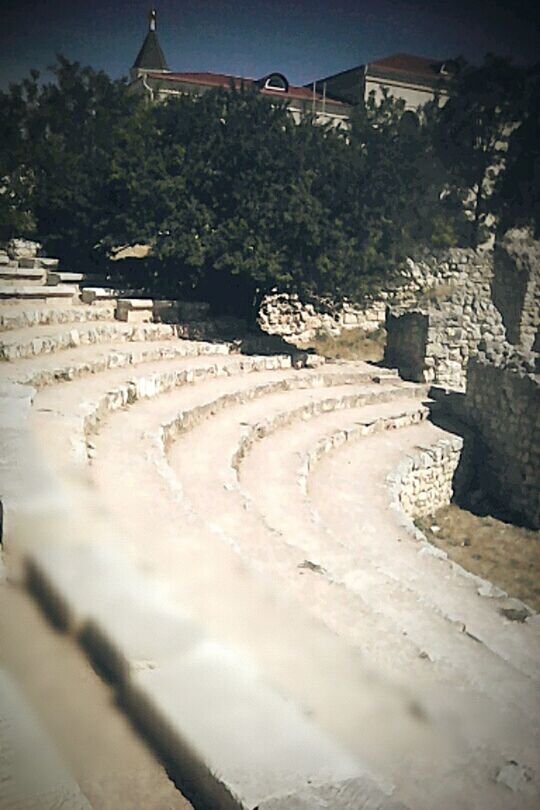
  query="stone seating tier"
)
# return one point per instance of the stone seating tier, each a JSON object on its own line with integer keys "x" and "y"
{"x": 258, "y": 593}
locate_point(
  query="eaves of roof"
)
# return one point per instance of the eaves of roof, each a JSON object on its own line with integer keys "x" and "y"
{"x": 211, "y": 80}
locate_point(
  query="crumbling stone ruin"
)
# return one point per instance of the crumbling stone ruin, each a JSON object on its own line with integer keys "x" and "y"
{"x": 480, "y": 338}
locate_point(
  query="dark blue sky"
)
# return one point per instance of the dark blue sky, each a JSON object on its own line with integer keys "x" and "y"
{"x": 305, "y": 40}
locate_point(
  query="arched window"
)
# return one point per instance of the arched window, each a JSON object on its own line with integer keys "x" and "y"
{"x": 275, "y": 81}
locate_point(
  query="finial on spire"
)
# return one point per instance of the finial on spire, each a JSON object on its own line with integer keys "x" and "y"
{"x": 152, "y": 20}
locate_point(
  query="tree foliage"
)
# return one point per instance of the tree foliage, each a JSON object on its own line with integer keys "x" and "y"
{"x": 518, "y": 188}
{"x": 62, "y": 135}
{"x": 471, "y": 132}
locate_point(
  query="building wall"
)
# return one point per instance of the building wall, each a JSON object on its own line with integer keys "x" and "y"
{"x": 413, "y": 95}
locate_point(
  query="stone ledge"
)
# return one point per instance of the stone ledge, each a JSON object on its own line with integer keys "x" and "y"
{"x": 228, "y": 735}
{"x": 37, "y": 291}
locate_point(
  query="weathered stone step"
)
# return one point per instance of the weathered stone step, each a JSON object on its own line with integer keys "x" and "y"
{"x": 175, "y": 553}
{"x": 74, "y": 412}
{"x": 23, "y": 315}
{"x": 166, "y": 311}
{"x": 418, "y": 566}
{"x": 38, "y": 262}
{"x": 284, "y": 512}
{"x": 33, "y": 342}
{"x": 92, "y": 295}
{"x": 32, "y": 774}
{"x": 38, "y": 292}
{"x": 88, "y": 360}
{"x": 232, "y": 738}
{"x": 20, "y": 276}
{"x": 55, "y": 277}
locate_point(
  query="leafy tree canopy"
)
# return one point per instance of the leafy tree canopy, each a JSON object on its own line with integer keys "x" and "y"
{"x": 471, "y": 132}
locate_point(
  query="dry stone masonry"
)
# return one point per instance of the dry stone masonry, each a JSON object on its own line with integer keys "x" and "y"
{"x": 503, "y": 403}
{"x": 430, "y": 277}
{"x": 426, "y": 481}
{"x": 516, "y": 286}
{"x": 286, "y": 315}
{"x": 474, "y": 300}
{"x": 433, "y": 340}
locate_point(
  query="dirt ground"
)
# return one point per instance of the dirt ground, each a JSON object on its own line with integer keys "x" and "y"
{"x": 352, "y": 344}
{"x": 507, "y": 555}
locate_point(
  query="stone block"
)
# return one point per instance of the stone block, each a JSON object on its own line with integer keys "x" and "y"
{"x": 37, "y": 291}
{"x": 21, "y": 274}
{"x": 134, "y": 310}
{"x": 22, "y": 248}
{"x": 92, "y": 294}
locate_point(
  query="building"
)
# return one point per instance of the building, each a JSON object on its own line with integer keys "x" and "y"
{"x": 412, "y": 78}
{"x": 150, "y": 75}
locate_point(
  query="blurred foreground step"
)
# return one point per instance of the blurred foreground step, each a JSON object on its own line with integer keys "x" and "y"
{"x": 32, "y": 775}
{"x": 246, "y": 745}
{"x": 229, "y": 738}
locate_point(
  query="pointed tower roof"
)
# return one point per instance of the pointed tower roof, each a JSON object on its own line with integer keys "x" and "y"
{"x": 151, "y": 56}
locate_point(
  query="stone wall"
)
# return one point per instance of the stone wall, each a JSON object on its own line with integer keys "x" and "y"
{"x": 425, "y": 482}
{"x": 473, "y": 300}
{"x": 516, "y": 286}
{"x": 502, "y": 403}
{"x": 299, "y": 321}
{"x": 292, "y": 319}
{"x": 434, "y": 341}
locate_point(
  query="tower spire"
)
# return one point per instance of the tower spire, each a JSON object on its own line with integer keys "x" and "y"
{"x": 150, "y": 57}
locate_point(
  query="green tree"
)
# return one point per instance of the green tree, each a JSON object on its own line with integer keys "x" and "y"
{"x": 518, "y": 187}
{"x": 17, "y": 107}
{"x": 472, "y": 130}
{"x": 58, "y": 155}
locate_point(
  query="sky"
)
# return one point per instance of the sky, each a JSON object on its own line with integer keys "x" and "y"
{"x": 303, "y": 39}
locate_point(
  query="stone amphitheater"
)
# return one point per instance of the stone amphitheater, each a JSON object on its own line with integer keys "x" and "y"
{"x": 226, "y": 533}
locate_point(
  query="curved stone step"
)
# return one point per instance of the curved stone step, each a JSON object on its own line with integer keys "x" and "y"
{"x": 22, "y": 316}
{"x": 73, "y": 364}
{"x": 283, "y": 499}
{"x": 26, "y": 291}
{"x": 170, "y": 558}
{"x": 21, "y": 275}
{"x": 418, "y": 567}
{"x": 32, "y": 342}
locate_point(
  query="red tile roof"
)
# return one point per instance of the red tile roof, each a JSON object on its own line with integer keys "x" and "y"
{"x": 223, "y": 80}
{"x": 418, "y": 66}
